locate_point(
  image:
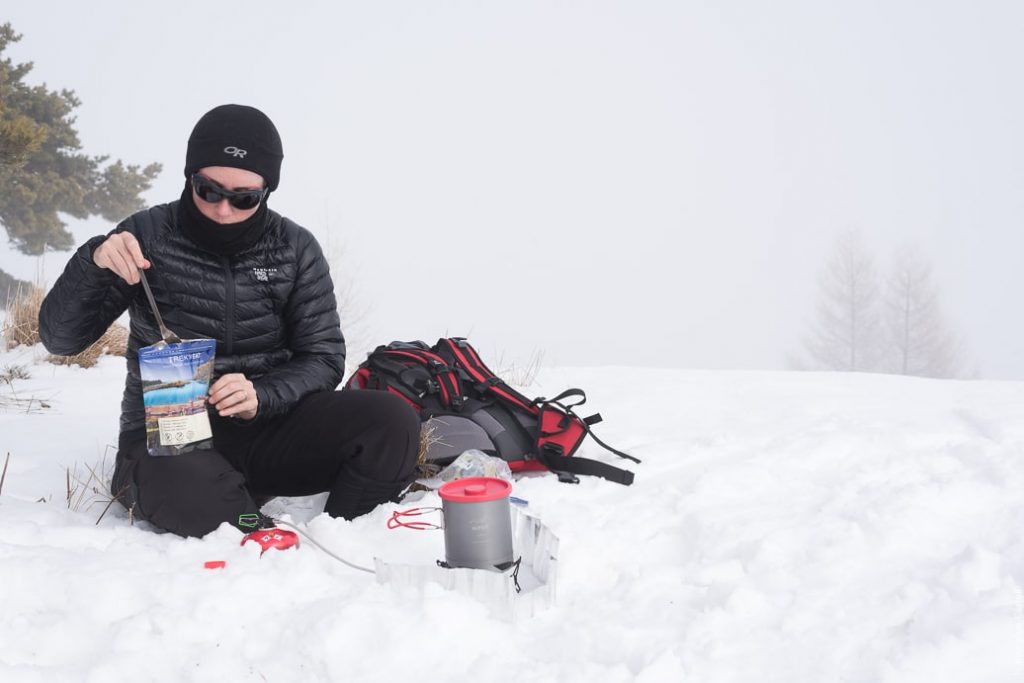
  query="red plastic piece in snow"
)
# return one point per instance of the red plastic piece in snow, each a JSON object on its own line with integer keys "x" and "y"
{"x": 279, "y": 539}
{"x": 214, "y": 564}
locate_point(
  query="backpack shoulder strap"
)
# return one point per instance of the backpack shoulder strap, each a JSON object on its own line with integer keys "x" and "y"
{"x": 464, "y": 356}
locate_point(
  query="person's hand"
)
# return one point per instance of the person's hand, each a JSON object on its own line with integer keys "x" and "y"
{"x": 121, "y": 253}
{"x": 234, "y": 395}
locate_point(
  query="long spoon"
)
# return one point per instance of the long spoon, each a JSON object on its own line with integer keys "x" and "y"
{"x": 168, "y": 336}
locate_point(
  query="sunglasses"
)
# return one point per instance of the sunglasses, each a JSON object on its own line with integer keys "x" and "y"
{"x": 214, "y": 193}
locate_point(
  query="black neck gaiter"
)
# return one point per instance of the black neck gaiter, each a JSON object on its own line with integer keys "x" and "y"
{"x": 215, "y": 237}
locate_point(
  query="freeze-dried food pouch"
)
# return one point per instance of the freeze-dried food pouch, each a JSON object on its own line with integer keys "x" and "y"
{"x": 175, "y": 383}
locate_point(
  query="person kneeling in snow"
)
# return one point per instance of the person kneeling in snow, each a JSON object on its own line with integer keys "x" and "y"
{"x": 223, "y": 266}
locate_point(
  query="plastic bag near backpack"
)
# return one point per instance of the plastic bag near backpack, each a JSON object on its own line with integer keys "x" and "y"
{"x": 465, "y": 405}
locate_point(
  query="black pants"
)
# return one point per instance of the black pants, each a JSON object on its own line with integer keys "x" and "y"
{"x": 361, "y": 446}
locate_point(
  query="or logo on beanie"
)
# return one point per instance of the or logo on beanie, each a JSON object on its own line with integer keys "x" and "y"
{"x": 235, "y": 152}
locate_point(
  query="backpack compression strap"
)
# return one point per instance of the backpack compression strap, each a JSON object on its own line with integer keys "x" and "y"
{"x": 443, "y": 381}
{"x": 587, "y": 421}
{"x": 553, "y": 458}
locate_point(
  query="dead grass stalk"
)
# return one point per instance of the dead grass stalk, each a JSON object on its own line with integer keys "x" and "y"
{"x": 3, "y": 477}
{"x": 90, "y": 488}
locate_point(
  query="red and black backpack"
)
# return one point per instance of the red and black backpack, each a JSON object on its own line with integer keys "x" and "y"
{"x": 465, "y": 406}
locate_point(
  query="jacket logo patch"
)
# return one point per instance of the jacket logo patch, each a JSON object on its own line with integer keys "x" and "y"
{"x": 264, "y": 274}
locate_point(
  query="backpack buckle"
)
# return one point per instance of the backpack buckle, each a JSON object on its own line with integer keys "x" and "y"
{"x": 550, "y": 452}
{"x": 487, "y": 384}
{"x": 566, "y": 477}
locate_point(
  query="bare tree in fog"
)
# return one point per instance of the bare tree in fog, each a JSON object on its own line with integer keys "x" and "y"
{"x": 352, "y": 310}
{"x": 918, "y": 341}
{"x": 847, "y": 332}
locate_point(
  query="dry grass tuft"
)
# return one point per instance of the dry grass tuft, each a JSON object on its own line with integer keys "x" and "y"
{"x": 21, "y": 327}
{"x": 518, "y": 375}
{"x": 427, "y": 439}
{"x": 9, "y": 398}
{"x": 114, "y": 342}
{"x": 9, "y": 373}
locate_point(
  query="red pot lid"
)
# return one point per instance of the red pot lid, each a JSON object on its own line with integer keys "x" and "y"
{"x": 475, "y": 490}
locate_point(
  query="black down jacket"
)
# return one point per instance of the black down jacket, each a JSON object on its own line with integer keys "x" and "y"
{"x": 271, "y": 308}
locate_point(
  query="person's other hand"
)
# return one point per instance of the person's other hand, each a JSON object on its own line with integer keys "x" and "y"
{"x": 121, "y": 253}
{"x": 234, "y": 395}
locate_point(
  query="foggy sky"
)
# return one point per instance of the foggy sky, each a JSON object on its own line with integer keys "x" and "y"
{"x": 627, "y": 183}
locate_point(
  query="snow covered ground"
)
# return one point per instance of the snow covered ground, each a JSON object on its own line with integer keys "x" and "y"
{"x": 782, "y": 527}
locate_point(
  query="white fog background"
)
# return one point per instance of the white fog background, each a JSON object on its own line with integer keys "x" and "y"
{"x": 630, "y": 183}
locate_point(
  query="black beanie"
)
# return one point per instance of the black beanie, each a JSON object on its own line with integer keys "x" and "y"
{"x": 237, "y": 136}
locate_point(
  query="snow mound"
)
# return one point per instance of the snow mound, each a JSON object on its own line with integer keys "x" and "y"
{"x": 782, "y": 527}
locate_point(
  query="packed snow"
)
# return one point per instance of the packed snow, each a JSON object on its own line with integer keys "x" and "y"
{"x": 782, "y": 527}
